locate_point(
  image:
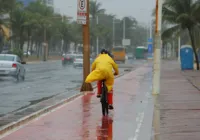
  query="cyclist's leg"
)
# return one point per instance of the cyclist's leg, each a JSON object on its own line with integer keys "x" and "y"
{"x": 110, "y": 98}
{"x": 99, "y": 84}
{"x": 109, "y": 84}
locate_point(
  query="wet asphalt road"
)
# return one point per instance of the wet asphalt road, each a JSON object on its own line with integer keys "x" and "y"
{"x": 43, "y": 80}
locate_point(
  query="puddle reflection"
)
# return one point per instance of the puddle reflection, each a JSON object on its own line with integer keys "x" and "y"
{"x": 86, "y": 116}
{"x": 105, "y": 131}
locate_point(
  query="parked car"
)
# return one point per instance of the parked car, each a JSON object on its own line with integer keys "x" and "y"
{"x": 130, "y": 56}
{"x": 27, "y": 53}
{"x": 68, "y": 59}
{"x": 78, "y": 60}
{"x": 11, "y": 65}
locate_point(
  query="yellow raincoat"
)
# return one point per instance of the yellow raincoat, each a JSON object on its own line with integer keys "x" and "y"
{"x": 102, "y": 69}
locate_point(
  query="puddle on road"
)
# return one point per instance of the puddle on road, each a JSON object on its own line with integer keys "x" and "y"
{"x": 76, "y": 81}
{"x": 128, "y": 70}
{"x": 45, "y": 77}
{"x": 33, "y": 102}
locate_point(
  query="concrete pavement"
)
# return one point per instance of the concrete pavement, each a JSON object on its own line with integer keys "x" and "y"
{"x": 82, "y": 118}
{"x": 179, "y": 103}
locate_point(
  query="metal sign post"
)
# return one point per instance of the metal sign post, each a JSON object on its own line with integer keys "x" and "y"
{"x": 83, "y": 19}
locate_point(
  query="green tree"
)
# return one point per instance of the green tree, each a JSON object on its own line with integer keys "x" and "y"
{"x": 17, "y": 22}
{"x": 181, "y": 15}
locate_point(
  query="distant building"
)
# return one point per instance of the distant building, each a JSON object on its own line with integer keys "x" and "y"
{"x": 49, "y": 3}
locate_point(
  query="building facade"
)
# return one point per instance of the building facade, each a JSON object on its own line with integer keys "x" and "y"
{"x": 26, "y": 2}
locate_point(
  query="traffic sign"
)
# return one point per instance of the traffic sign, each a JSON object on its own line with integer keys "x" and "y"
{"x": 82, "y": 12}
{"x": 150, "y": 51}
{"x": 150, "y": 40}
{"x": 126, "y": 42}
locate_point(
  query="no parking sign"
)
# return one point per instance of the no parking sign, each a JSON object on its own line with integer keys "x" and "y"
{"x": 82, "y": 12}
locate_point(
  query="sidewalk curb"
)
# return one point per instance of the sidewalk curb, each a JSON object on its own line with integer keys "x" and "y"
{"x": 7, "y": 129}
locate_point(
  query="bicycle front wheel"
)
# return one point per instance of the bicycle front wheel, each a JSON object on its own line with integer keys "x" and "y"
{"x": 104, "y": 108}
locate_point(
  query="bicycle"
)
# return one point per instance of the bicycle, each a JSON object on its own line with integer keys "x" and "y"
{"x": 104, "y": 99}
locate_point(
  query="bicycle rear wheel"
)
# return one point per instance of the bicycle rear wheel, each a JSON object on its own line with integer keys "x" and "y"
{"x": 103, "y": 109}
{"x": 104, "y": 101}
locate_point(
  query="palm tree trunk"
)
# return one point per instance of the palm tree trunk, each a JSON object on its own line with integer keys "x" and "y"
{"x": 38, "y": 50}
{"x": 27, "y": 49}
{"x": 194, "y": 47}
{"x": 31, "y": 46}
{"x": 75, "y": 47}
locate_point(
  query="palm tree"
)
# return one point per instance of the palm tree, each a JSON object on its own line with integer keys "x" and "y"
{"x": 95, "y": 10}
{"x": 18, "y": 25}
{"x": 41, "y": 18}
{"x": 181, "y": 14}
{"x": 5, "y": 7}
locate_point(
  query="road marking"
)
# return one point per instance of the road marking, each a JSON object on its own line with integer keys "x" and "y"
{"x": 140, "y": 117}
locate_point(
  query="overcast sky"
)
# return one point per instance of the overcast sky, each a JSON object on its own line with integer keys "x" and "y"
{"x": 140, "y": 9}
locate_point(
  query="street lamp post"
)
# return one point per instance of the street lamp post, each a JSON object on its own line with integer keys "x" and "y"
{"x": 45, "y": 50}
{"x": 179, "y": 47}
{"x": 113, "y": 32}
{"x": 86, "y": 52}
{"x": 157, "y": 50}
{"x": 97, "y": 41}
{"x": 124, "y": 30}
{"x": 114, "y": 22}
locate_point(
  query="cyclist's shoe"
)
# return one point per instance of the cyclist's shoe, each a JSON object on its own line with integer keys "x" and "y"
{"x": 110, "y": 107}
{"x": 98, "y": 96}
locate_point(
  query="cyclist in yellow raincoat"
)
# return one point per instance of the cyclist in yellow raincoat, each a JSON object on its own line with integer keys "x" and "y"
{"x": 102, "y": 69}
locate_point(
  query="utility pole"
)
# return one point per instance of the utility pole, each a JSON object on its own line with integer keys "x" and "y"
{"x": 179, "y": 48}
{"x": 156, "y": 69}
{"x": 62, "y": 41}
{"x": 157, "y": 46}
{"x": 113, "y": 32}
{"x": 86, "y": 51}
{"x": 97, "y": 41}
{"x": 150, "y": 28}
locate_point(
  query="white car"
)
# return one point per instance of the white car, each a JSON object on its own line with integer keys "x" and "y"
{"x": 11, "y": 65}
{"x": 27, "y": 53}
{"x": 78, "y": 60}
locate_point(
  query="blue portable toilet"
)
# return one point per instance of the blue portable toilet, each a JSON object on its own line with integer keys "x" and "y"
{"x": 187, "y": 57}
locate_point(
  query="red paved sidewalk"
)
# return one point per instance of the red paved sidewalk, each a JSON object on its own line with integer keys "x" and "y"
{"x": 81, "y": 119}
{"x": 179, "y": 103}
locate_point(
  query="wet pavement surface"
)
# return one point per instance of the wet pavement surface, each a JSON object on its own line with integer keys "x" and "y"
{"x": 179, "y": 103}
{"x": 46, "y": 83}
{"x": 81, "y": 119}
